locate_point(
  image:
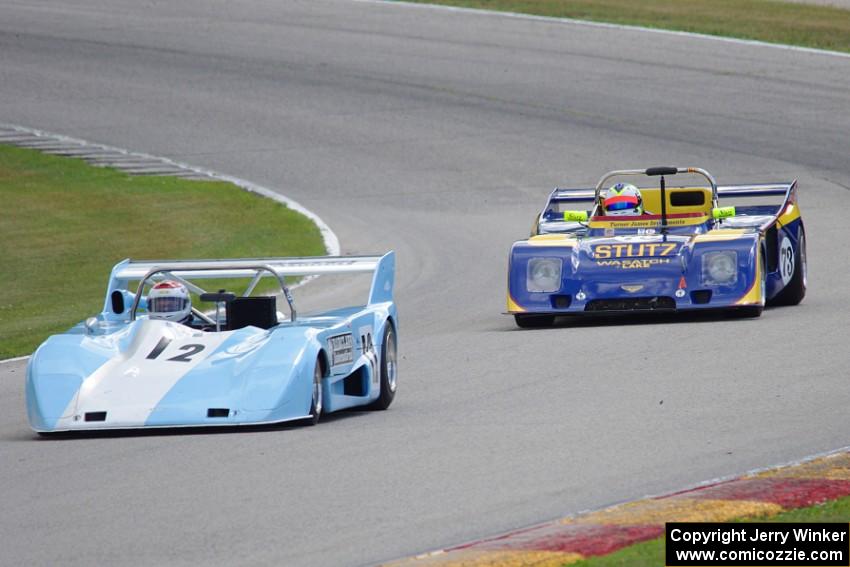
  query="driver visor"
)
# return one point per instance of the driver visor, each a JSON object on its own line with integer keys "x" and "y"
{"x": 621, "y": 203}
{"x": 167, "y": 304}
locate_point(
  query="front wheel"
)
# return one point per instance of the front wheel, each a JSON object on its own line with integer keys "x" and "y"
{"x": 388, "y": 370}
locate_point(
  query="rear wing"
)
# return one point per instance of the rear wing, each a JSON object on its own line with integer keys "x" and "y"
{"x": 146, "y": 271}
{"x": 787, "y": 190}
{"x": 753, "y": 190}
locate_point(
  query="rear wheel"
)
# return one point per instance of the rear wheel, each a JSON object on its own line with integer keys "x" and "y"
{"x": 388, "y": 369}
{"x": 533, "y": 321}
{"x": 316, "y": 401}
{"x": 795, "y": 291}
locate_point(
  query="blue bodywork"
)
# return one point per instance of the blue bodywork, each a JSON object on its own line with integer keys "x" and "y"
{"x": 613, "y": 266}
{"x": 206, "y": 377}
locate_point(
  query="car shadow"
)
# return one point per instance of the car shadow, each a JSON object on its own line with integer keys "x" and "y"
{"x": 641, "y": 318}
{"x": 346, "y": 414}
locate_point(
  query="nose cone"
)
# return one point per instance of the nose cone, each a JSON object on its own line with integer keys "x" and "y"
{"x": 630, "y": 266}
{"x": 162, "y": 365}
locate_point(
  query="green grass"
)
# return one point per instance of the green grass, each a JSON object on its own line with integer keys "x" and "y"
{"x": 807, "y": 25}
{"x": 64, "y": 224}
{"x": 651, "y": 553}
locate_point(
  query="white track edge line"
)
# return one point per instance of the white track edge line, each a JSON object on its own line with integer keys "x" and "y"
{"x": 330, "y": 239}
{"x": 16, "y": 359}
{"x": 588, "y": 23}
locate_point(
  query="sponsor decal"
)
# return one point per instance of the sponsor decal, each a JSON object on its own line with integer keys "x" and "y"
{"x": 723, "y": 212}
{"x": 342, "y": 349}
{"x": 649, "y": 223}
{"x": 575, "y": 216}
{"x": 607, "y": 251}
{"x": 679, "y": 222}
{"x": 632, "y": 263}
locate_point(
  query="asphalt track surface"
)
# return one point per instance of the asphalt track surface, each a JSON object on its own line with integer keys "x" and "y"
{"x": 436, "y": 134}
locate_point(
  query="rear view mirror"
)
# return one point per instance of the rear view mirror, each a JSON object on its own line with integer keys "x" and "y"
{"x": 117, "y": 299}
{"x": 91, "y": 325}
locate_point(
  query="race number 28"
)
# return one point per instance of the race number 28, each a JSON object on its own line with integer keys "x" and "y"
{"x": 786, "y": 260}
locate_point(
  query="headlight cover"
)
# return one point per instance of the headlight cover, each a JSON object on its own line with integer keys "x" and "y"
{"x": 720, "y": 268}
{"x": 543, "y": 275}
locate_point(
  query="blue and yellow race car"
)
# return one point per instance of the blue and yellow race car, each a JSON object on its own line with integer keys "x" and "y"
{"x": 672, "y": 249}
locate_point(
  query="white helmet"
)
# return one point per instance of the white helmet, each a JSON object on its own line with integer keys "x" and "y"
{"x": 169, "y": 301}
{"x": 622, "y": 199}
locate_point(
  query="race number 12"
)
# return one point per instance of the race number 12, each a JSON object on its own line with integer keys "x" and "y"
{"x": 191, "y": 350}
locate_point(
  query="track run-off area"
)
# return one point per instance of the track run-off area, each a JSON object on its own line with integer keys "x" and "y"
{"x": 437, "y": 134}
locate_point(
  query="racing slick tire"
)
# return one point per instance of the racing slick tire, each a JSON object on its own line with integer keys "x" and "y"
{"x": 533, "y": 321}
{"x": 795, "y": 291}
{"x": 316, "y": 401}
{"x": 388, "y": 369}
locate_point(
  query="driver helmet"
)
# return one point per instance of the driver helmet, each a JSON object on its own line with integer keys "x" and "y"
{"x": 169, "y": 301}
{"x": 622, "y": 199}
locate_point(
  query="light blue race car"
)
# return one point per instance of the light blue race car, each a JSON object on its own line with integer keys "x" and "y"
{"x": 244, "y": 363}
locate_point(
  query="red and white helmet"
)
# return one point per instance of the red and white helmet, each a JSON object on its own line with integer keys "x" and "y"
{"x": 169, "y": 301}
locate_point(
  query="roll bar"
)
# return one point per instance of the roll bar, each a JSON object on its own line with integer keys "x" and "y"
{"x": 252, "y": 270}
{"x": 656, "y": 171}
{"x": 195, "y": 266}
